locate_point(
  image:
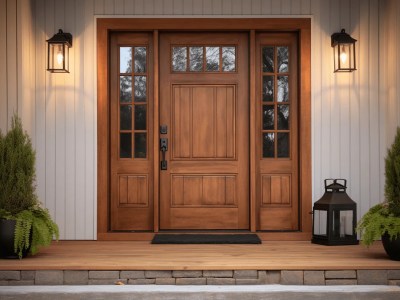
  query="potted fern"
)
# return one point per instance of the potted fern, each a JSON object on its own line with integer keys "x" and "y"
{"x": 383, "y": 220}
{"x": 24, "y": 224}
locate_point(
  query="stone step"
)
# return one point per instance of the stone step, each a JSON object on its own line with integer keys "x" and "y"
{"x": 125, "y": 292}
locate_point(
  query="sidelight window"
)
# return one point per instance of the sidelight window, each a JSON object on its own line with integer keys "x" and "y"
{"x": 275, "y": 101}
{"x": 133, "y": 100}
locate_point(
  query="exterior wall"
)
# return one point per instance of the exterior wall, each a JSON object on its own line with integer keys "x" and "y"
{"x": 390, "y": 75}
{"x": 354, "y": 115}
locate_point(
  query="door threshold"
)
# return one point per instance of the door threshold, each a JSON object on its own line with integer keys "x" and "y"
{"x": 200, "y": 231}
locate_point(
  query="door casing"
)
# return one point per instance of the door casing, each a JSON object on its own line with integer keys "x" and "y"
{"x": 300, "y": 25}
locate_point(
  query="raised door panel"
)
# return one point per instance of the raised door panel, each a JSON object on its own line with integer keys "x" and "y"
{"x": 203, "y": 191}
{"x": 204, "y": 122}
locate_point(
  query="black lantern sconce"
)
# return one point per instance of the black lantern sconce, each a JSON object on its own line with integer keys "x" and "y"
{"x": 344, "y": 52}
{"x": 335, "y": 216}
{"x": 58, "y": 52}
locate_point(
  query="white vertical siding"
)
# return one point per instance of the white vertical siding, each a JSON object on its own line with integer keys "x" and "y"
{"x": 3, "y": 64}
{"x": 390, "y": 72}
{"x": 355, "y": 126}
{"x": 354, "y": 115}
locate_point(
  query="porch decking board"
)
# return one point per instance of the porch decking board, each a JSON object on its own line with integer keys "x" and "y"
{"x": 271, "y": 255}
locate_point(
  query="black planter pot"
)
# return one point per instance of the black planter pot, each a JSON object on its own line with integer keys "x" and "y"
{"x": 7, "y": 228}
{"x": 392, "y": 247}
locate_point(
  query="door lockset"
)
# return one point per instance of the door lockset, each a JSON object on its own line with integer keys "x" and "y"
{"x": 163, "y": 149}
{"x": 163, "y": 129}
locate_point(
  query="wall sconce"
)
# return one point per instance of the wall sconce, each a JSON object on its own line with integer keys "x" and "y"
{"x": 58, "y": 52}
{"x": 344, "y": 53}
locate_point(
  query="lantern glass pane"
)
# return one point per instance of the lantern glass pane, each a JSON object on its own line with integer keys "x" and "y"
{"x": 344, "y": 56}
{"x": 66, "y": 57}
{"x": 342, "y": 223}
{"x": 320, "y": 222}
{"x": 56, "y": 59}
{"x": 336, "y": 57}
{"x": 51, "y": 56}
{"x": 346, "y": 223}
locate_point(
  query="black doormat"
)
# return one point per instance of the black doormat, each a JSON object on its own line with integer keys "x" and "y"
{"x": 206, "y": 239}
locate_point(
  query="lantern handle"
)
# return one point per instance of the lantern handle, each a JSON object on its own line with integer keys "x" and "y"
{"x": 344, "y": 182}
{"x": 334, "y": 181}
{"x": 328, "y": 182}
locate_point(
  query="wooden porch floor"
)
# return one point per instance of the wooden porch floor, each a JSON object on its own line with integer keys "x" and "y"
{"x": 126, "y": 255}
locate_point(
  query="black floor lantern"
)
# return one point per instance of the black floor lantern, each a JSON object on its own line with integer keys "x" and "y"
{"x": 335, "y": 216}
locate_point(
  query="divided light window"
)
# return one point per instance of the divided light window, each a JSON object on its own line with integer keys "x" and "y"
{"x": 133, "y": 102}
{"x": 275, "y": 101}
{"x": 203, "y": 58}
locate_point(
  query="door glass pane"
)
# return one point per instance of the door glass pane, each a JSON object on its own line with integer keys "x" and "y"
{"x": 140, "y": 145}
{"x": 268, "y": 88}
{"x": 283, "y": 59}
{"x": 125, "y": 145}
{"x": 212, "y": 58}
{"x": 140, "y": 59}
{"x": 283, "y": 88}
{"x": 179, "y": 56}
{"x": 283, "y": 117}
{"x": 140, "y": 89}
{"x": 268, "y": 144}
{"x": 125, "y": 117}
{"x": 140, "y": 117}
{"x": 125, "y": 60}
{"x": 268, "y": 117}
{"x": 268, "y": 59}
{"x": 228, "y": 59}
{"x": 125, "y": 89}
{"x": 283, "y": 144}
{"x": 196, "y": 59}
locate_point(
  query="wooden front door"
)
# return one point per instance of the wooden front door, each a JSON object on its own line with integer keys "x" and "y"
{"x": 204, "y": 115}
{"x": 234, "y": 109}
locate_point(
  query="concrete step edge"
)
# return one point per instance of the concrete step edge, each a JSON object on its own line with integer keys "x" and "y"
{"x": 155, "y": 292}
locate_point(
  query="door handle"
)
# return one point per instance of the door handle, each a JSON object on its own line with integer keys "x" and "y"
{"x": 163, "y": 149}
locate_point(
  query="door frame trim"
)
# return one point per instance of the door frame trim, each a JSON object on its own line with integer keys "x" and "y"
{"x": 251, "y": 25}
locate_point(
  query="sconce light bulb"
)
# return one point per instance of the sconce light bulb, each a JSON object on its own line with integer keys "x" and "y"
{"x": 343, "y": 56}
{"x": 60, "y": 58}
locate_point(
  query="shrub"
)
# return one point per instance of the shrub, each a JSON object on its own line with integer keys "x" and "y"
{"x": 18, "y": 200}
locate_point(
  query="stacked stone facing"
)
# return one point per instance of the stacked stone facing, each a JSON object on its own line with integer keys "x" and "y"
{"x": 201, "y": 277}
